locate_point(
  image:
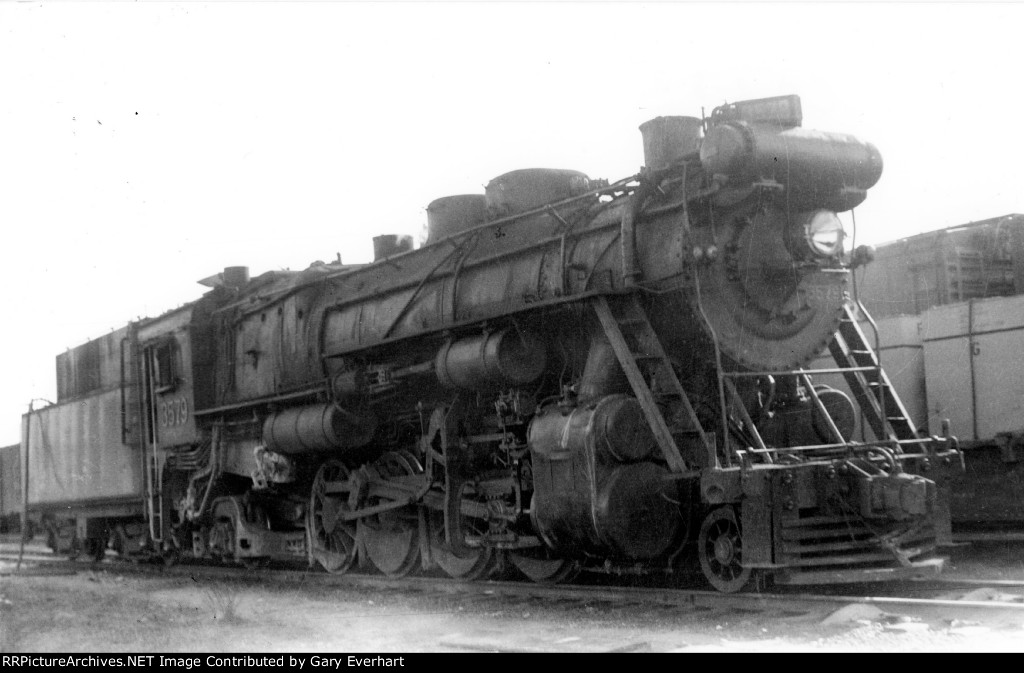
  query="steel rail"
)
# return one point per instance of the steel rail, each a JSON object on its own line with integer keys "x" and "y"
{"x": 684, "y": 598}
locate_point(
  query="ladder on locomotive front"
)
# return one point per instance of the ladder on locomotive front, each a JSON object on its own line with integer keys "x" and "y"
{"x": 862, "y": 369}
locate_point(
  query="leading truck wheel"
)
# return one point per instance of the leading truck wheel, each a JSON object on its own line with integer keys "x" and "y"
{"x": 720, "y": 550}
{"x": 332, "y": 542}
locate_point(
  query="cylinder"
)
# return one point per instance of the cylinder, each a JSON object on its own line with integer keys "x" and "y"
{"x": 668, "y": 139}
{"x": 529, "y": 188}
{"x": 450, "y": 215}
{"x": 614, "y": 429}
{"x": 585, "y": 506}
{"x": 633, "y": 515}
{"x": 489, "y": 361}
{"x": 315, "y": 428}
{"x": 621, "y": 429}
{"x": 387, "y": 245}
{"x": 594, "y": 490}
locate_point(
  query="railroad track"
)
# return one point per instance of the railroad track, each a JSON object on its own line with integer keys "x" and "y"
{"x": 950, "y": 606}
{"x": 923, "y": 598}
{"x": 968, "y": 535}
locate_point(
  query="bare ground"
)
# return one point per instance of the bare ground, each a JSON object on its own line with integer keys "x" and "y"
{"x": 94, "y": 611}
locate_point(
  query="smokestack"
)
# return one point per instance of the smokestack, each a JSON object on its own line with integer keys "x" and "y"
{"x": 668, "y": 139}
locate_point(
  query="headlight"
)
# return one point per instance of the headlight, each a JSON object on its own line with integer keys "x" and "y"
{"x": 822, "y": 234}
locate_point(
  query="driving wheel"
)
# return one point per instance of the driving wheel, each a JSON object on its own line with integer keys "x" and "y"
{"x": 474, "y": 564}
{"x": 332, "y": 542}
{"x": 539, "y": 566}
{"x": 391, "y": 538}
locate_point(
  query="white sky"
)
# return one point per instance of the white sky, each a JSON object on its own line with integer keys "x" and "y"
{"x": 146, "y": 145}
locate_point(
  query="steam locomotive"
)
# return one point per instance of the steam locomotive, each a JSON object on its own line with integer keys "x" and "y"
{"x": 570, "y": 374}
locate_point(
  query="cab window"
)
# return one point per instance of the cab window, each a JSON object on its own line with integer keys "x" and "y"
{"x": 165, "y": 365}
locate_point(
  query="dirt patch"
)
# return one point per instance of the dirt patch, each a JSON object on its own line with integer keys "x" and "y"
{"x": 101, "y": 609}
{"x": 106, "y": 612}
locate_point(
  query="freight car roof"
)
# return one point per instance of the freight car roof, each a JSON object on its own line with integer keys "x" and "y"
{"x": 1016, "y": 219}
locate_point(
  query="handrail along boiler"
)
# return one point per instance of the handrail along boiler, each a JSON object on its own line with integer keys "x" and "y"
{"x": 568, "y": 374}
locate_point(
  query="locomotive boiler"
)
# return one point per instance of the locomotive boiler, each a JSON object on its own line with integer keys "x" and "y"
{"x": 569, "y": 374}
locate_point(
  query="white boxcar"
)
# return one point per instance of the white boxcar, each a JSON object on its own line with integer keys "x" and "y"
{"x": 974, "y": 352}
{"x": 974, "y": 374}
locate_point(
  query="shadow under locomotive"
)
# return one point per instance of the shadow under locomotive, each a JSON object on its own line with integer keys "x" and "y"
{"x": 569, "y": 374}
